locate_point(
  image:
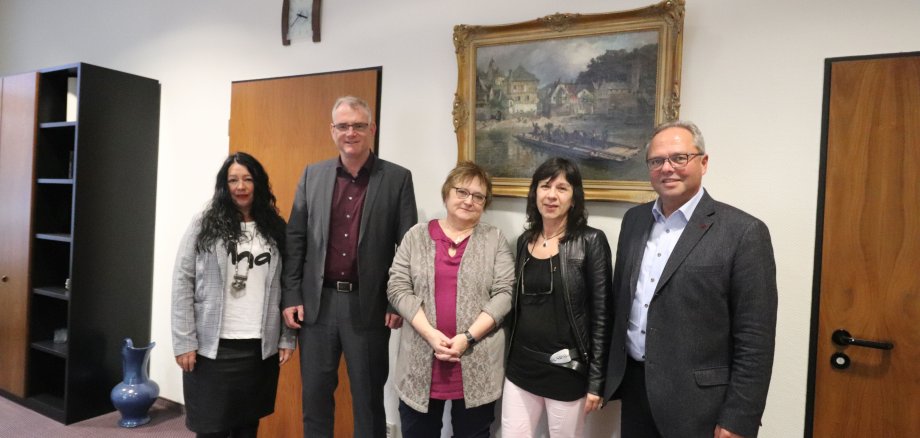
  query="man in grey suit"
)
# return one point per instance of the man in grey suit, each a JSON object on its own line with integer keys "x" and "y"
{"x": 695, "y": 304}
{"x": 348, "y": 216}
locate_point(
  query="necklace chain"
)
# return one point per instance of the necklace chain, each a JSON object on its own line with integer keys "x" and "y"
{"x": 238, "y": 287}
{"x": 461, "y": 234}
{"x": 559, "y": 233}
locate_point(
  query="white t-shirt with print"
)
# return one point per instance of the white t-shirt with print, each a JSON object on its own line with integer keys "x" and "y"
{"x": 242, "y": 318}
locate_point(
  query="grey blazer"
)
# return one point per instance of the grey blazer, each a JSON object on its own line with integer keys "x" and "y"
{"x": 484, "y": 283}
{"x": 389, "y": 211}
{"x": 711, "y": 323}
{"x": 199, "y": 282}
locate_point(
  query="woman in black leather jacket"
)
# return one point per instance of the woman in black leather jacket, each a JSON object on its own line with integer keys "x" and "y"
{"x": 559, "y": 323}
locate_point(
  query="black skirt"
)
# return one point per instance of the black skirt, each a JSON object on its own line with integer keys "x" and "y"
{"x": 234, "y": 390}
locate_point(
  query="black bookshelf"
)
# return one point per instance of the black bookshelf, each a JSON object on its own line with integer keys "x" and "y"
{"x": 93, "y": 223}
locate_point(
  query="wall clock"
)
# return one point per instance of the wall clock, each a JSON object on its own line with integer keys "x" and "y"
{"x": 299, "y": 20}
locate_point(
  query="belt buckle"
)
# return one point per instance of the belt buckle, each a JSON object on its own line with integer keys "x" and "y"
{"x": 343, "y": 286}
{"x": 560, "y": 357}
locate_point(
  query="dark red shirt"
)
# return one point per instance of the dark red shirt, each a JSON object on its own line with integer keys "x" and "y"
{"x": 345, "y": 222}
{"x": 446, "y": 377}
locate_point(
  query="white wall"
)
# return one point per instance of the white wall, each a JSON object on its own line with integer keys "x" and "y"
{"x": 752, "y": 79}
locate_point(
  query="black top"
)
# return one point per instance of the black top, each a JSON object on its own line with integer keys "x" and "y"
{"x": 542, "y": 326}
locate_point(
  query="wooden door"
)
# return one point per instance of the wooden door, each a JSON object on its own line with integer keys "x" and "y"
{"x": 17, "y": 143}
{"x": 868, "y": 252}
{"x": 284, "y": 123}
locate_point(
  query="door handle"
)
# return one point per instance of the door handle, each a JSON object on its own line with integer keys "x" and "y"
{"x": 4, "y": 278}
{"x": 842, "y": 337}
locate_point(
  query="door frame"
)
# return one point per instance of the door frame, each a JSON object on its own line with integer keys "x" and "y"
{"x": 819, "y": 233}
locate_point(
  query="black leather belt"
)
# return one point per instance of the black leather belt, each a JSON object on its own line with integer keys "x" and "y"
{"x": 341, "y": 286}
{"x": 554, "y": 358}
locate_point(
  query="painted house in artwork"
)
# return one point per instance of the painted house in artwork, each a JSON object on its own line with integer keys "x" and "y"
{"x": 566, "y": 99}
{"x": 500, "y": 94}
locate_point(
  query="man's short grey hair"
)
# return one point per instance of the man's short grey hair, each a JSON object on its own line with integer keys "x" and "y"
{"x": 698, "y": 140}
{"x": 355, "y": 103}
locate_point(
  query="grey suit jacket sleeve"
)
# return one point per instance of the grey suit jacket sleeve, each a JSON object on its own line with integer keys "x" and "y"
{"x": 753, "y": 304}
{"x": 408, "y": 213}
{"x": 408, "y": 217}
{"x": 295, "y": 247}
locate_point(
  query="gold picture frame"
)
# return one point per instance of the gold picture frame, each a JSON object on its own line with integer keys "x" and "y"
{"x": 591, "y": 87}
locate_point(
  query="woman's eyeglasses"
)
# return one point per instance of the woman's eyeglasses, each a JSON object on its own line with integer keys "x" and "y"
{"x": 462, "y": 193}
{"x": 526, "y": 291}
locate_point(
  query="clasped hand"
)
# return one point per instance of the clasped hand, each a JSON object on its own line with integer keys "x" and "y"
{"x": 448, "y": 349}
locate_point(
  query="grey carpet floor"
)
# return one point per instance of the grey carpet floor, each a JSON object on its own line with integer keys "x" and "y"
{"x": 17, "y": 421}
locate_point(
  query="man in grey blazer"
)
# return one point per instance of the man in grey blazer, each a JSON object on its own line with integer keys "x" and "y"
{"x": 348, "y": 216}
{"x": 695, "y": 304}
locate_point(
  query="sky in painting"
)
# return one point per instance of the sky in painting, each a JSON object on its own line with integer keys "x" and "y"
{"x": 561, "y": 58}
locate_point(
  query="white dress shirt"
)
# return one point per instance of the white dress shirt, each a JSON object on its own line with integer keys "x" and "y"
{"x": 661, "y": 241}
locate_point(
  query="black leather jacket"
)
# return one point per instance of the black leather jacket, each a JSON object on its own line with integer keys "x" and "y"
{"x": 585, "y": 269}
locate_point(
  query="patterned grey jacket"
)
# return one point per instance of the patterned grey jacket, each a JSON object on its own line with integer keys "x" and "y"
{"x": 199, "y": 282}
{"x": 484, "y": 283}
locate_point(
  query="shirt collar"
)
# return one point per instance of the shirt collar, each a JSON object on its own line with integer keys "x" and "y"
{"x": 367, "y": 167}
{"x": 686, "y": 210}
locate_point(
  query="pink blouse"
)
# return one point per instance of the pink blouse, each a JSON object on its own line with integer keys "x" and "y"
{"x": 446, "y": 379}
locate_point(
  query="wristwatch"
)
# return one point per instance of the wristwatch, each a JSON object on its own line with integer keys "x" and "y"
{"x": 469, "y": 337}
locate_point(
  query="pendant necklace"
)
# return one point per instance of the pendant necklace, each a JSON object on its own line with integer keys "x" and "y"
{"x": 551, "y": 237}
{"x": 455, "y": 243}
{"x": 238, "y": 287}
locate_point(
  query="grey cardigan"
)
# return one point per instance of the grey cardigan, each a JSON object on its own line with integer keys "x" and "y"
{"x": 484, "y": 283}
{"x": 199, "y": 282}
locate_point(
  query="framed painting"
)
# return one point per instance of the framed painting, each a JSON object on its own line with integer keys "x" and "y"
{"x": 587, "y": 87}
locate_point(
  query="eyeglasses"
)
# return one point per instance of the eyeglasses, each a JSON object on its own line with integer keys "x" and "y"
{"x": 478, "y": 198}
{"x": 525, "y": 291}
{"x": 678, "y": 161}
{"x": 344, "y": 127}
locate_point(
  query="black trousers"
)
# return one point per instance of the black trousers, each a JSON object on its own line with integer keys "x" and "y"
{"x": 466, "y": 423}
{"x": 636, "y": 419}
{"x": 338, "y": 331}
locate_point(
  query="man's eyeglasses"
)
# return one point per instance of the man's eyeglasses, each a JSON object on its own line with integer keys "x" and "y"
{"x": 478, "y": 198}
{"x": 678, "y": 161}
{"x": 358, "y": 127}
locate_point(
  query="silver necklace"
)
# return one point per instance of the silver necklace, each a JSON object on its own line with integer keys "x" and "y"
{"x": 461, "y": 234}
{"x": 238, "y": 286}
{"x": 551, "y": 237}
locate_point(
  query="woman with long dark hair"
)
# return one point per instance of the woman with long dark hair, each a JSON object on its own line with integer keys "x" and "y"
{"x": 559, "y": 319}
{"x": 228, "y": 337}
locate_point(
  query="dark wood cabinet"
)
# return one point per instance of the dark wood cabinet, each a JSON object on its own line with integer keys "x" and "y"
{"x": 92, "y": 231}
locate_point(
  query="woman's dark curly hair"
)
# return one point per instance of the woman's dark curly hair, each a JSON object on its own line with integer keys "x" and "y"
{"x": 578, "y": 216}
{"x": 221, "y": 220}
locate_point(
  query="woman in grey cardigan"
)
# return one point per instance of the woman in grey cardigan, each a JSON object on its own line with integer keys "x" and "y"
{"x": 452, "y": 279}
{"x": 226, "y": 316}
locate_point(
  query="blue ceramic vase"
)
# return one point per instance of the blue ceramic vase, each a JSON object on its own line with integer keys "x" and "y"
{"x": 136, "y": 393}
